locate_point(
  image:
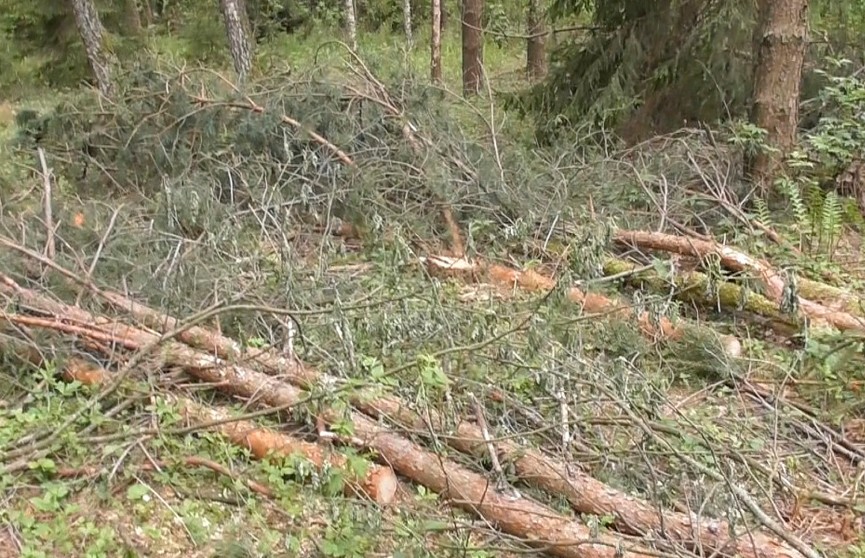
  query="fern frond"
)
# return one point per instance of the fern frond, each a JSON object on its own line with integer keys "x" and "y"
{"x": 814, "y": 205}
{"x": 831, "y": 221}
{"x": 791, "y": 192}
{"x": 762, "y": 209}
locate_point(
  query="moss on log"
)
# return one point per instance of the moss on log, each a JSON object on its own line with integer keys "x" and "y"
{"x": 693, "y": 287}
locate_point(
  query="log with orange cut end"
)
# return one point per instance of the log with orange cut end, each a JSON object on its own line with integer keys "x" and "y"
{"x": 377, "y": 482}
{"x": 593, "y": 303}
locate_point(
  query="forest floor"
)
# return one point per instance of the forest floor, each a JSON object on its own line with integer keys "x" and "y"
{"x": 554, "y": 304}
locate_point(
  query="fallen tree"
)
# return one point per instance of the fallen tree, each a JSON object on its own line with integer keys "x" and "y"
{"x": 263, "y": 443}
{"x": 378, "y": 482}
{"x": 693, "y": 286}
{"x": 533, "y": 522}
{"x": 776, "y": 288}
{"x": 586, "y": 494}
{"x": 591, "y": 303}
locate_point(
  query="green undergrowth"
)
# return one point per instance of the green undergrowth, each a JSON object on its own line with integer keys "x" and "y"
{"x": 115, "y": 492}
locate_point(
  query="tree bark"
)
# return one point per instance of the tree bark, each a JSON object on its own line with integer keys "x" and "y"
{"x": 146, "y": 13}
{"x": 92, "y": 35}
{"x": 239, "y": 37}
{"x": 131, "y": 18}
{"x": 774, "y": 283}
{"x": 406, "y": 22}
{"x": 377, "y": 482}
{"x": 536, "y": 51}
{"x": 351, "y": 24}
{"x": 780, "y": 42}
{"x": 473, "y": 47}
{"x": 436, "y": 43}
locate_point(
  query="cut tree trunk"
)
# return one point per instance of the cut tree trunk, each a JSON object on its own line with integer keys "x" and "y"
{"x": 436, "y": 43}
{"x": 695, "y": 288}
{"x": 776, "y": 288}
{"x": 239, "y": 37}
{"x": 92, "y": 35}
{"x": 473, "y": 47}
{"x": 534, "y": 523}
{"x": 377, "y": 482}
{"x": 350, "y": 23}
{"x": 591, "y": 303}
{"x": 780, "y": 43}
{"x": 536, "y": 51}
{"x": 589, "y": 495}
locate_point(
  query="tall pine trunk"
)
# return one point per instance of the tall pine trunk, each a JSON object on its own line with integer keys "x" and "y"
{"x": 146, "y": 13}
{"x": 131, "y": 17}
{"x": 473, "y": 47}
{"x": 780, "y": 41}
{"x": 536, "y": 48}
{"x": 239, "y": 37}
{"x": 92, "y": 35}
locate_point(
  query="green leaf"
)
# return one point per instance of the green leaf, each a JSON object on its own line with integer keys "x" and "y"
{"x": 137, "y": 491}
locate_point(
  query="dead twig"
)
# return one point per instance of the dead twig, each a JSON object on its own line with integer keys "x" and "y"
{"x": 50, "y": 249}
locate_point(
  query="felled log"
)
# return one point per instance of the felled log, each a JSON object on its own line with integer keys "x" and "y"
{"x": 832, "y": 297}
{"x": 584, "y": 493}
{"x": 738, "y": 261}
{"x": 693, "y": 286}
{"x": 592, "y": 303}
{"x": 535, "y": 523}
{"x": 588, "y": 495}
{"x": 379, "y": 482}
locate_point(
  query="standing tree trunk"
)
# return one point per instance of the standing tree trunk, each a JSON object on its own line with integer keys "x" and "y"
{"x": 131, "y": 18}
{"x": 473, "y": 47}
{"x": 92, "y": 35}
{"x": 436, "y": 43}
{"x": 406, "y": 22}
{"x": 239, "y": 37}
{"x": 780, "y": 43}
{"x": 536, "y": 51}
{"x": 351, "y": 24}
{"x": 146, "y": 13}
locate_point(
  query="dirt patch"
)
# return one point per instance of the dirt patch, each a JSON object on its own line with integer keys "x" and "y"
{"x": 7, "y": 115}
{"x": 8, "y": 545}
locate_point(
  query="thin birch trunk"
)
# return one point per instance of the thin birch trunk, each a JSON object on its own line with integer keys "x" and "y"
{"x": 436, "y": 43}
